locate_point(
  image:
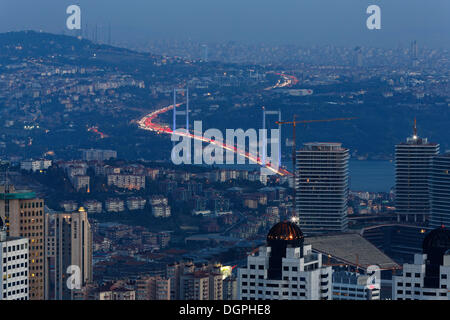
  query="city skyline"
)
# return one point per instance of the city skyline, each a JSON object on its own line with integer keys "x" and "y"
{"x": 224, "y": 151}
{"x": 203, "y": 21}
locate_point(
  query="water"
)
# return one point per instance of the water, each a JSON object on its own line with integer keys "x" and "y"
{"x": 365, "y": 175}
{"x": 372, "y": 176}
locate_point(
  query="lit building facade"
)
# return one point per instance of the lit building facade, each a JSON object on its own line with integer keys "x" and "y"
{"x": 13, "y": 267}
{"x": 23, "y": 214}
{"x": 285, "y": 269}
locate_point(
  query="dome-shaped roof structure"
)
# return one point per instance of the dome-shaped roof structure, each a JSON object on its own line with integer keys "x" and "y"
{"x": 286, "y": 230}
{"x": 438, "y": 239}
{"x": 435, "y": 245}
{"x": 282, "y": 235}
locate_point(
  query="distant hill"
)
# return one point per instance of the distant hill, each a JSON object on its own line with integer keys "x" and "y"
{"x": 67, "y": 49}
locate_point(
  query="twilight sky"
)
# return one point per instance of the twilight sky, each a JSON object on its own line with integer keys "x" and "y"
{"x": 340, "y": 22}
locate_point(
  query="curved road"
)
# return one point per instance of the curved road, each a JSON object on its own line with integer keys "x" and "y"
{"x": 146, "y": 123}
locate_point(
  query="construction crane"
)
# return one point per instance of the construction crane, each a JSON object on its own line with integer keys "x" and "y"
{"x": 294, "y": 149}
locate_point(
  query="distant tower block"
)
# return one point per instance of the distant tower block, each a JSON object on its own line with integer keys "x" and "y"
{"x": 264, "y": 146}
{"x": 414, "y": 50}
{"x": 184, "y": 112}
{"x": 109, "y": 34}
{"x": 358, "y": 57}
{"x": 205, "y": 52}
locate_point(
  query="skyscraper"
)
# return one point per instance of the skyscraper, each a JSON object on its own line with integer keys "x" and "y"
{"x": 69, "y": 244}
{"x": 13, "y": 267}
{"x": 322, "y": 187}
{"x": 413, "y": 160}
{"x": 440, "y": 191}
{"x": 23, "y": 215}
{"x": 414, "y": 52}
{"x": 285, "y": 269}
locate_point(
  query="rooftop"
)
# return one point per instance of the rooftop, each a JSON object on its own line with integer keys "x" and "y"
{"x": 352, "y": 249}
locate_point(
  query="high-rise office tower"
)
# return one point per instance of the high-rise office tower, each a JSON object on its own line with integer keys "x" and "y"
{"x": 322, "y": 187}
{"x": 413, "y": 160}
{"x": 23, "y": 215}
{"x": 69, "y": 250}
{"x": 414, "y": 50}
{"x": 13, "y": 267}
{"x": 285, "y": 269}
{"x": 440, "y": 191}
{"x": 428, "y": 278}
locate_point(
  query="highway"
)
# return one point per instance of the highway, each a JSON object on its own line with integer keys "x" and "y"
{"x": 147, "y": 123}
{"x": 285, "y": 81}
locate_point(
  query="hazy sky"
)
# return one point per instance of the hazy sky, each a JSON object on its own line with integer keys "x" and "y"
{"x": 341, "y": 22}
